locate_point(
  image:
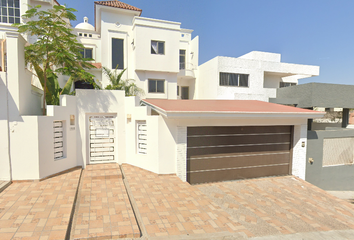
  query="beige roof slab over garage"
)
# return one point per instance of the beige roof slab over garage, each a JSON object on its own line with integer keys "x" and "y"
{"x": 226, "y": 108}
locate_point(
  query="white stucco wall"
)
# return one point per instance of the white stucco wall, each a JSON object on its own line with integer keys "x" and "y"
{"x": 299, "y": 151}
{"x": 4, "y": 140}
{"x": 47, "y": 164}
{"x": 24, "y": 148}
{"x": 147, "y": 30}
{"x": 170, "y": 84}
{"x": 149, "y": 161}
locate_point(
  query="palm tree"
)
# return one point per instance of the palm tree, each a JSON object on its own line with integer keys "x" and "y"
{"x": 117, "y": 83}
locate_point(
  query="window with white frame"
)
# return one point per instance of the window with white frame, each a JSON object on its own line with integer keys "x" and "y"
{"x": 157, "y": 47}
{"x": 10, "y": 11}
{"x": 86, "y": 52}
{"x": 141, "y": 136}
{"x": 156, "y": 86}
{"x": 233, "y": 79}
{"x": 286, "y": 84}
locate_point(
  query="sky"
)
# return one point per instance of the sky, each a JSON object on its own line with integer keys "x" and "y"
{"x": 311, "y": 32}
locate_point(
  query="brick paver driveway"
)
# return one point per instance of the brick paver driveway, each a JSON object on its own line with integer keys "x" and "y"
{"x": 103, "y": 209}
{"x": 246, "y": 208}
{"x": 38, "y": 210}
{"x": 280, "y": 205}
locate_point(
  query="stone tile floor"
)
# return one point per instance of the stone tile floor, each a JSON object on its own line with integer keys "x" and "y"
{"x": 103, "y": 208}
{"x": 38, "y": 210}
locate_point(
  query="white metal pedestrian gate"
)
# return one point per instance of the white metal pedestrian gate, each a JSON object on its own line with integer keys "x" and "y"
{"x": 102, "y": 138}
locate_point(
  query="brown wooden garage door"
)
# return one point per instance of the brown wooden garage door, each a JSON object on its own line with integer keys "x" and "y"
{"x": 229, "y": 153}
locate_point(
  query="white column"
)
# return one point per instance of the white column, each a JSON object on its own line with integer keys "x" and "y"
{"x": 299, "y": 151}
{"x": 182, "y": 153}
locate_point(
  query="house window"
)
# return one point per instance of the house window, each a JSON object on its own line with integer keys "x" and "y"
{"x": 58, "y": 129}
{"x": 233, "y": 79}
{"x": 80, "y": 34}
{"x": 286, "y": 84}
{"x": 86, "y": 52}
{"x": 157, "y": 47}
{"x": 10, "y": 11}
{"x": 177, "y": 90}
{"x": 156, "y": 86}
{"x": 141, "y": 136}
{"x": 182, "y": 59}
{"x": 117, "y": 53}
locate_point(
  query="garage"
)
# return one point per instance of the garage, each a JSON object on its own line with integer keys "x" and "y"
{"x": 230, "y": 153}
{"x": 221, "y": 140}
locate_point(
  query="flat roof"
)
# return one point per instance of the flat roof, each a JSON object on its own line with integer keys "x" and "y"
{"x": 170, "y": 107}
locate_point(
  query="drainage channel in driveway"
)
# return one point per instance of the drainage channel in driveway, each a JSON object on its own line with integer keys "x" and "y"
{"x": 103, "y": 208}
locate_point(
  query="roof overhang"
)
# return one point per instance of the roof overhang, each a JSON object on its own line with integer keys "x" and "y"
{"x": 195, "y": 110}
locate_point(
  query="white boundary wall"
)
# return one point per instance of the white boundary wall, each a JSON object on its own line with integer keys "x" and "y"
{"x": 32, "y": 142}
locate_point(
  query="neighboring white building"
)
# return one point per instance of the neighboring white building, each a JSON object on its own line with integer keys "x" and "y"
{"x": 255, "y": 75}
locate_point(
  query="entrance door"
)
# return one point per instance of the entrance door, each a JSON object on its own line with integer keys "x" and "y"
{"x": 102, "y": 138}
{"x": 185, "y": 92}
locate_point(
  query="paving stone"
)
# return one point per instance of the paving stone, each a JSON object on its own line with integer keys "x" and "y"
{"x": 36, "y": 209}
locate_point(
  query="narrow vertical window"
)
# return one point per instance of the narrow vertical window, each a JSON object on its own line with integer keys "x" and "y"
{"x": 117, "y": 53}
{"x": 141, "y": 130}
{"x": 58, "y": 129}
{"x": 182, "y": 59}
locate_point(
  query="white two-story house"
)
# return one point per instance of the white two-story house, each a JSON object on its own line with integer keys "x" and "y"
{"x": 159, "y": 55}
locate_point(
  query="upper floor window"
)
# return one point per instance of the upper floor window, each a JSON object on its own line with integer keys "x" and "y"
{"x": 10, "y": 11}
{"x": 156, "y": 86}
{"x": 233, "y": 79}
{"x": 182, "y": 59}
{"x": 117, "y": 53}
{"x": 286, "y": 84}
{"x": 86, "y": 52}
{"x": 157, "y": 47}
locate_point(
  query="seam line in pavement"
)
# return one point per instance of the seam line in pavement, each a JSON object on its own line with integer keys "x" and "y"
{"x": 135, "y": 209}
{"x": 69, "y": 234}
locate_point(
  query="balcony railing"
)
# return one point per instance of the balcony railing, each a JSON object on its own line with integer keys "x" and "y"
{"x": 186, "y": 66}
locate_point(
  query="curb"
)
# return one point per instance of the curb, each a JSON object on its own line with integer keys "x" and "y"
{"x": 5, "y": 186}
{"x": 69, "y": 234}
{"x": 136, "y": 212}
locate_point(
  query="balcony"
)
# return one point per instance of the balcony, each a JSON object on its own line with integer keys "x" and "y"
{"x": 186, "y": 71}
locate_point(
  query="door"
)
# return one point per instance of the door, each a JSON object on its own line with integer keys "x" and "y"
{"x": 230, "y": 153}
{"x": 185, "y": 92}
{"x": 102, "y": 144}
